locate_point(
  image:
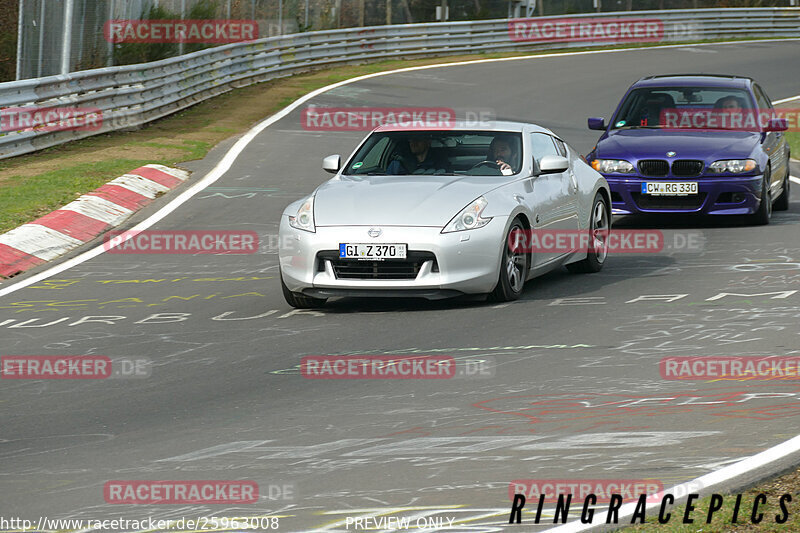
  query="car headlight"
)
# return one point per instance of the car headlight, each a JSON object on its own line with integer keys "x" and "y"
{"x": 733, "y": 166}
{"x": 612, "y": 166}
{"x": 469, "y": 217}
{"x": 304, "y": 219}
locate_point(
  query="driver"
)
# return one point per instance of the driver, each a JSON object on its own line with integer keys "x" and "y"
{"x": 421, "y": 159}
{"x": 500, "y": 152}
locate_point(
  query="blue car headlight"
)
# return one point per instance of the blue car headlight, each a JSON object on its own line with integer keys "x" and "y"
{"x": 612, "y": 166}
{"x": 732, "y": 166}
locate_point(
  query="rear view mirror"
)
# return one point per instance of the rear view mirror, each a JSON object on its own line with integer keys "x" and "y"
{"x": 597, "y": 123}
{"x": 551, "y": 164}
{"x": 332, "y": 163}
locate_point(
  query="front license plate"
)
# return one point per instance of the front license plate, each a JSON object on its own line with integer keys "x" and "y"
{"x": 372, "y": 251}
{"x": 661, "y": 188}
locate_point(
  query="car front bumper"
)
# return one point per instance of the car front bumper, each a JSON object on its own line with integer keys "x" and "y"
{"x": 717, "y": 195}
{"x": 449, "y": 264}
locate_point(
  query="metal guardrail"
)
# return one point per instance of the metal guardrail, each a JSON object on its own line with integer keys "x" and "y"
{"x": 129, "y": 96}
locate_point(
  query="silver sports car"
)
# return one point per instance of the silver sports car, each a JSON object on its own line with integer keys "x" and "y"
{"x": 435, "y": 213}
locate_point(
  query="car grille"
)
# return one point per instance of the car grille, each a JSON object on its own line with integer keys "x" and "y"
{"x": 689, "y": 203}
{"x": 687, "y": 168}
{"x": 397, "y": 269}
{"x": 657, "y": 168}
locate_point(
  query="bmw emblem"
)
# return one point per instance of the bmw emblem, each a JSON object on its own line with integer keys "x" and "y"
{"x": 374, "y": 232}
{"x": 671, "y": 154}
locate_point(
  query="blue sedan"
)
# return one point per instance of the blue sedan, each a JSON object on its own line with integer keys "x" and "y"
{"x": 705, "y": 144}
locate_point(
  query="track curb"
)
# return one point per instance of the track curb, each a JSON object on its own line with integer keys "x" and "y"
{"x": 83, "y": 219}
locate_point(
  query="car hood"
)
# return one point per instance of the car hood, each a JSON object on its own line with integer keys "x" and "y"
{"x": 425, "y": 200}
{"x": 654, "y": 144}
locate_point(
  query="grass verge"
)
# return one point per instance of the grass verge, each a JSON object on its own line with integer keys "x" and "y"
{"x": 35, "y": 184}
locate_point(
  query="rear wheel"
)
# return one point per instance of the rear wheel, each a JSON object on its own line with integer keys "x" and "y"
{"x": 762, "y": 216}
{"x": 599, "y": 230}
{"x": 513, "y": 267}
{"x": 300, "y": 301}
{"x": 782, "y": 201}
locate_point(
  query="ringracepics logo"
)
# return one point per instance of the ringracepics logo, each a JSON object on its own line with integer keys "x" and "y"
{"x": 49, "y": 119}
{"x": 586, "y": 29}
{"x": 369, "y": 118}
{"x": 180, "y": 31}
{"x": 181, "y": 242}
{"x": 180, "y": 492}
{"x": 639, "y": 504}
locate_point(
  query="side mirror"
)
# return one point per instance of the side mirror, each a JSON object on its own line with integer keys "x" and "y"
{"x": 777, "y": 124}
{"x": 551, "y": 164}
{"x": 597, "y": 123}
{"x": 332, "y": 163}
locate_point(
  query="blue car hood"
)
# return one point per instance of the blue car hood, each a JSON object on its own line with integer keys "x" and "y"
{"x": 692, "y": 144}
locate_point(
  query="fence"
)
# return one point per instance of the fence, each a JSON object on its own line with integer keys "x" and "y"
{"x": 48, "y": 111}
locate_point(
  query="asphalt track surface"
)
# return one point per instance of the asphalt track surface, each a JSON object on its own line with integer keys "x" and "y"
{"x": 576, "y": 391}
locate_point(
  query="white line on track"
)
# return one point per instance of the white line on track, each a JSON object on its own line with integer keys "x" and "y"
{"x": 784, "y": 100}
{"x": 795, "y": 179}
{"x": 751, "y": 463}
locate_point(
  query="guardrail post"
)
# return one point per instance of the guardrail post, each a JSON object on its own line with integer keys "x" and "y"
{"x": 66, "y": 43}
{"x": 20, "y": 21}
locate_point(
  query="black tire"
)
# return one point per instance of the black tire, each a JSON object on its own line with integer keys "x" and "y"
{"x": 599, "y": 230}
{"x": 782, "y": 201}
{"x": 301, "y": 301}
{"x": 764, "y": 213}
{"x": 513, "y": 268}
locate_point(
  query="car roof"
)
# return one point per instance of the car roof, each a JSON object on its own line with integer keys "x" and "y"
{"x": 695, "y": 80}
{"x": 463, "y": 125}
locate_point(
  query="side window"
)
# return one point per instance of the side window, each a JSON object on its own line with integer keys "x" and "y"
{"x": 761, "y": 98}
{"x": 542, "y": 145}
{"x": 561, "y": 147}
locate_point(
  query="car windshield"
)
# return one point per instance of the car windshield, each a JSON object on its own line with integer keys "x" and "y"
{"x": 472, "y": 153}
{"x": 669, "y": 107}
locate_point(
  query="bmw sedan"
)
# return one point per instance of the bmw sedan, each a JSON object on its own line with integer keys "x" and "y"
{"x": 707, "y": 144}
{"x": 430, "y": 212}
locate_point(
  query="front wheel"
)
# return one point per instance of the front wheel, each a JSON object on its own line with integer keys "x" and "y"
{"x": 599, "y": 230}
{"x": 513, "y": 267}
{"x": 764, "y": 213}
{"x": 782, "y": 201}
{"x": 300, "y": 301}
